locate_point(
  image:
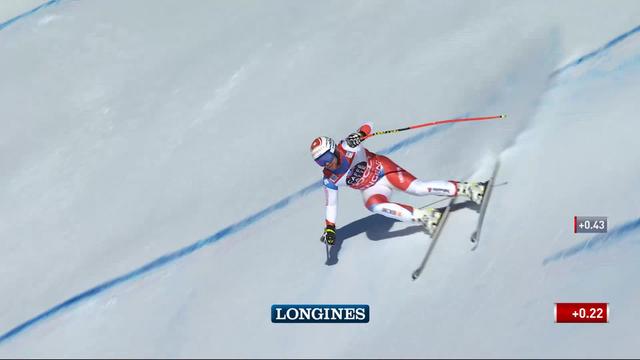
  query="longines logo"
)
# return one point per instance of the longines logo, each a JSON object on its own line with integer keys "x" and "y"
{"x": 281, "y": 313}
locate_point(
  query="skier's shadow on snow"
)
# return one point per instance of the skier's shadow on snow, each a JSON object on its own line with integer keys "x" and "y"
{"x": 377, "y": 227}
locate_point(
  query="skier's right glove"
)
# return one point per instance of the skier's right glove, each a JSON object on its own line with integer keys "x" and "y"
{"x": 354, "y": 139}
{"x": 329, "y": 235}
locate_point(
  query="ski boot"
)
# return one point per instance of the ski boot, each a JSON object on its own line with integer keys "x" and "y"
{"x": 428, "y": 217}
{"x": 473, "y": 190}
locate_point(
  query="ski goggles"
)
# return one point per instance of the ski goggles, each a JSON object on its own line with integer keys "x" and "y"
{"x": 325, "y": 158}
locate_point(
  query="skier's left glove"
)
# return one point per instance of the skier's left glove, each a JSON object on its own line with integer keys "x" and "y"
{"x": 329, "y": 235}
{"x": 354, "y": 139}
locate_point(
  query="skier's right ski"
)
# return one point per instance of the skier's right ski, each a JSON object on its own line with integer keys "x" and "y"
{"x": 475, "y": 237}
{"x": 434, "y": 238}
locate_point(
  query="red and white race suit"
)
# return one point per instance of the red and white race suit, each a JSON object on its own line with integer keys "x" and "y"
{"x": 376, "y": 176}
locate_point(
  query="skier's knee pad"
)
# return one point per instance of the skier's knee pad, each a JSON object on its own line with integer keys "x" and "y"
{"x": 374, "y": 200}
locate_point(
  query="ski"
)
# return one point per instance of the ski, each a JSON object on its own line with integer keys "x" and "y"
{"x": 434, "y": 238}
{"x": 475, "y": 237}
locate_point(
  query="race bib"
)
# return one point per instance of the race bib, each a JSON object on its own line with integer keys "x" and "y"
{"x": 364, "y": 174}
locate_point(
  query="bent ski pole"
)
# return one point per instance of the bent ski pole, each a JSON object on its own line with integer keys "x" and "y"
{"x": 435, "y": 123}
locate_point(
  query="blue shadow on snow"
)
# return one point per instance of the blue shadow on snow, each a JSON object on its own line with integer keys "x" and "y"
{"x": 377, "y": 227}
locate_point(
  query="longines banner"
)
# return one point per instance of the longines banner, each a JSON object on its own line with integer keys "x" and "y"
{"x": 325, "y": 313}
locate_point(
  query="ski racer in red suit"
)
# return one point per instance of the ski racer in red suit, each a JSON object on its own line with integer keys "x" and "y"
{"x": 376, "y": 176}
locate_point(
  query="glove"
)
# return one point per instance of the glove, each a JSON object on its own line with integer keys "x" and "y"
{"x": 354, "y": 139}
{"x": 329, "y": 235}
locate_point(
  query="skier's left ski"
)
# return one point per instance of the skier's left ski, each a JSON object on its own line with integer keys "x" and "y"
{"x": 434, "y": 238}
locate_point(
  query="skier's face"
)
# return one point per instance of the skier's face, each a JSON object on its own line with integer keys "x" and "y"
{"x": 333, "y": 164}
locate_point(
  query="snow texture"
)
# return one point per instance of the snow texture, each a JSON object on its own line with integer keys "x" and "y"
{"x": 157, "y": 195}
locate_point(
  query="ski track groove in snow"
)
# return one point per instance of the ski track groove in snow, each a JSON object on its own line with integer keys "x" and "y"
{"x": 28, "y": 13}
{"x": 597, "y": 242}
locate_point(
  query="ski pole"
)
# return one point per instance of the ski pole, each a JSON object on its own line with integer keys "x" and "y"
{"x": 328, "y": 250}
{"x": 435, "y": 123}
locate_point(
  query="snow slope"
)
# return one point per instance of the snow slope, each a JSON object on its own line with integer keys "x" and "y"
{"x": 157, "y": 196}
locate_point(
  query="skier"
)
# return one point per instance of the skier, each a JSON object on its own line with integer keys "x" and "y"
{"x": 376, "y": 176}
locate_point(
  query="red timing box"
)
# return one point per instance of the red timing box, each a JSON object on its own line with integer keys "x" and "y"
{"x": 581, "y": 312}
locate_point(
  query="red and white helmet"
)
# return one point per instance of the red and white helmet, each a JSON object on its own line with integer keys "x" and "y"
{"x": 321, "y": 146}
